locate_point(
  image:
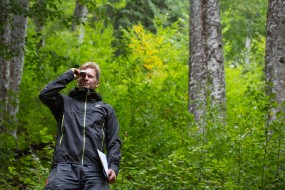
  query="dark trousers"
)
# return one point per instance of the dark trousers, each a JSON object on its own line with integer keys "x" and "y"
{"x": 79, "y": 177}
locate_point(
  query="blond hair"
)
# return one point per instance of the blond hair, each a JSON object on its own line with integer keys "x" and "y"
{"x": 94, "y": 66}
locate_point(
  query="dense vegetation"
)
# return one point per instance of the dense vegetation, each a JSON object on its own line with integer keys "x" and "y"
{"x": 144, "y": 66}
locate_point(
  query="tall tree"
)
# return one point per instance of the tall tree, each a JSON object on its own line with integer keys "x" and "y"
{"x": 275, "y": 74}
{"x": 206, "y": 75}
{"x": 39, "y": 22}
{"x": 215, "y": 59}
{"x": 198, "y": 64}
{"x": 275, "y": 80}
{"x": 275, "y": 49}
{"x": 80, "y": 13}
{"x": 4, "y": 62}
{"x": 13, "y": 33}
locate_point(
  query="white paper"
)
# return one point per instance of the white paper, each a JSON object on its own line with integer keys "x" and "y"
{"x": 104, "y": 162}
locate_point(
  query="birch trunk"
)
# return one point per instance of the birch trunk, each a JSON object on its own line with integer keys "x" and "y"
{"x": 197, "y": 61}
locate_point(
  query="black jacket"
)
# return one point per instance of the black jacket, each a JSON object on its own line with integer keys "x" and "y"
{"x": 84, "y": 124}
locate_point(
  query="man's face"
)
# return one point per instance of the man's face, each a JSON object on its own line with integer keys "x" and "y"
{"x": 89, "y": 80}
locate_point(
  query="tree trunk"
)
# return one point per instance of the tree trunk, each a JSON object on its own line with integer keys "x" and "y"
{"x": 247, "y": 50}
{"x": 18, "y": 36}
{"x": 12, "y": 65}
{"x": 197, "y": 61}
{"x": 5, "y": 34}
{"x": 275, "y": 49}
{"x": 39, "y": 22}
{"x": 215, "y": 60}
{"x": 275, "y": 80}
{"x": 206, "y": 75}
{"x": 80, "y": 12}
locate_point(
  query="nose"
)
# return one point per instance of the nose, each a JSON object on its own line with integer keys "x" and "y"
{"x": 85, "y": 77}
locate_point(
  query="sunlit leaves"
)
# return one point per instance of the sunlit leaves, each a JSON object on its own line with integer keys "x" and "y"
{"x": 145, "y": 46}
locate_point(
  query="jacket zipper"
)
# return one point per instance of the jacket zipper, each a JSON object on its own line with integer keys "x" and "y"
{"x": 84, "y": 127}
{"x": 60, "y": 140}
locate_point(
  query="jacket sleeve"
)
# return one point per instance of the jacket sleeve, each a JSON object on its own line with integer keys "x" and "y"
{"x": 50, "y": 95}
{"x": 113, "y": 142}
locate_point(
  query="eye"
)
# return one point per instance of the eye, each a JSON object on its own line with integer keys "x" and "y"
{"x": 90, "y": 76}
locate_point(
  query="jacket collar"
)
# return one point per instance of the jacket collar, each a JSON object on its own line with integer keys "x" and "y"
{"x": 81, "y": 94}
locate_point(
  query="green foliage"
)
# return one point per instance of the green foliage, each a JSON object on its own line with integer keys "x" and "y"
{"x": 126, "y": 13}
{"x": 148, "y": 88}
{"x": 26, "y": 173}
{"x": 240, "y": 20}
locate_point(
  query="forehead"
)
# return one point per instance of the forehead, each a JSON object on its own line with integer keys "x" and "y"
{"x": 90, "y": 71}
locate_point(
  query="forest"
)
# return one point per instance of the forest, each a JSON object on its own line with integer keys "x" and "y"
{"x": 198, "y": 88}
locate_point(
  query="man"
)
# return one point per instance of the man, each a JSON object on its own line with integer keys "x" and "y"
{"x": 84, "y": 124}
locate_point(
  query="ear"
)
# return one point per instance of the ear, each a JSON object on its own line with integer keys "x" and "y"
{"x": 97, "y": 84}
